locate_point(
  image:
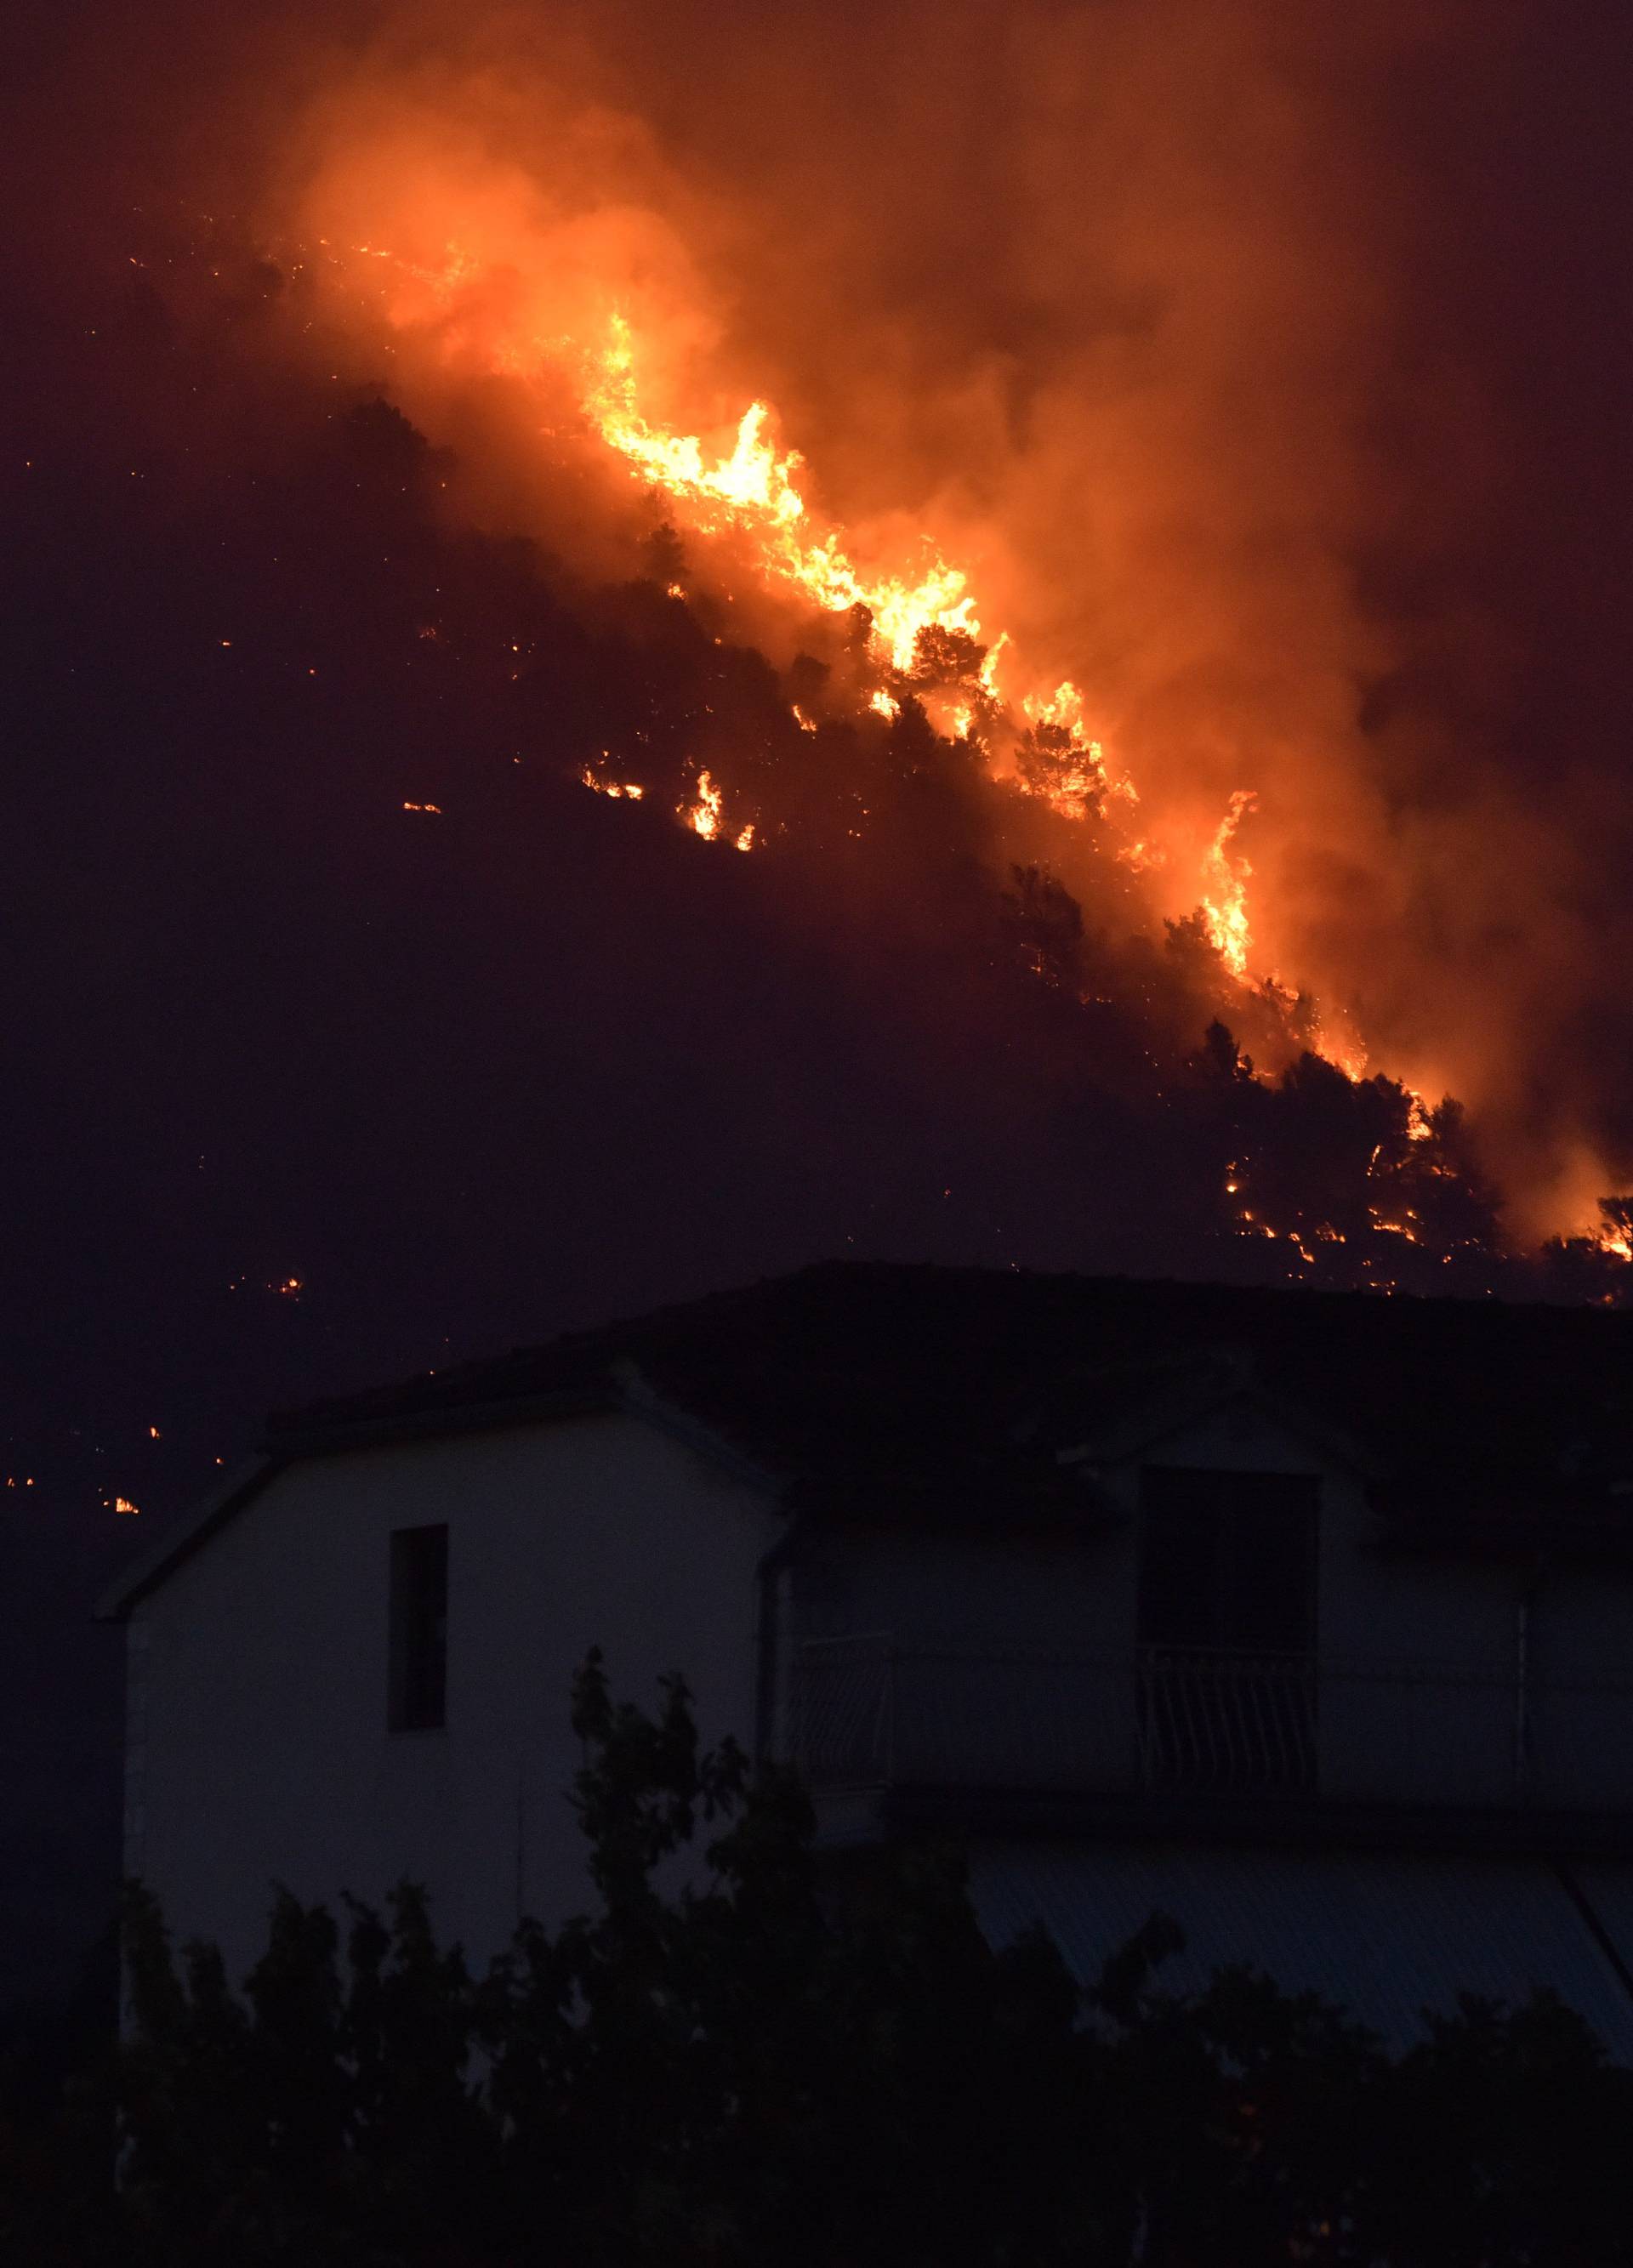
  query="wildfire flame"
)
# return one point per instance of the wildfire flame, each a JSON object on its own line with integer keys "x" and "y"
{"x": 618, "y": 789}
{"x": 752, "y": 489}
{"x": 736, "y": 480}
{"x": 1225, "y": 910}
{"x": 705, "y": 815}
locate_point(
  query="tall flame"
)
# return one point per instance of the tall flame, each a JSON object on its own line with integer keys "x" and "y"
{"x": 703, "y": 815}
{"x": 752, "y": 489}
{"x": 1225, "y": 910}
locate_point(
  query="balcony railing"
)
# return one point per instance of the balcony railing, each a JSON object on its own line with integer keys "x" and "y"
{"x": 1212, "y": 1721}
{"x": 866, "y": 1711}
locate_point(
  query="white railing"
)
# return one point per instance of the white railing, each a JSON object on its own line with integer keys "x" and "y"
{"x": 1212, "y": 1720}
{"x": 869, "y": 1712}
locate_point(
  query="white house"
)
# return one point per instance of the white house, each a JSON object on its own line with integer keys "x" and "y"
{"x": 1307, "y": 1619}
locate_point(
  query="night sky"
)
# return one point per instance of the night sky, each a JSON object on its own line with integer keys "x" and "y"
{"x": 1275, "y": 374}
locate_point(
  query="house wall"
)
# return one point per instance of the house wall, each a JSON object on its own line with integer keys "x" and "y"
{"x": 1415, "y": 1658}
{"x": 956, "y": 1592}
{"x": 1000, "y": 1659}
{"x": 260, "y": 1753}
{"x": 1582, "y": 1622}
{"x": 1046, "y": 1593}
{"x": 1579, "y": 1638}
{"x": 1417, "y": 1700}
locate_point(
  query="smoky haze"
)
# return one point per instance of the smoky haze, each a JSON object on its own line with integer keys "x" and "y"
{"x": 1257, "y": 365}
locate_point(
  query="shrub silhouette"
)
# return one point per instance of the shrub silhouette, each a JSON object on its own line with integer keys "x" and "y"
{"x": 793, "y": 2061}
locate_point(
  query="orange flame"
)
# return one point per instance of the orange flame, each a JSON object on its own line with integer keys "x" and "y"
{"x": 1225, "y": 912}
{"x": 617, "y": 788}
{"x": 746, "y": 485}
{"x": 703, "y": 816}
{"x": 1615, "y": 1242}
{"x": 752, "y": 489}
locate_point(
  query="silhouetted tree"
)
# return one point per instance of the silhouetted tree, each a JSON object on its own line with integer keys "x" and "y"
{"x": 1047, "y": 924}
{"x": 1053, "y": 762}
{"x": 780, "y": 2058}
{"x": 663, "y": 556}
{"x": 944, "y": 657}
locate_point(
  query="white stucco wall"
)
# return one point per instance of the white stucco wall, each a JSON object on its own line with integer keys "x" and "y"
{"x": 1417, "y": 1658}
{"x": 1582, "y": 1622}
{"x": 1048, "y": 1592}
{"x": 959, "y": 1591}
{"x": 260, "y": 1749}
{"x": 1367, "y": 1607}
{"x": 1435, "y": 1722}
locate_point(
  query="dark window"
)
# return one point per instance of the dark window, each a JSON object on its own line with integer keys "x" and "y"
{"x": 1228, "y": 1559}
{"x": 417, "y": 1696}
{"x": 1226, "y": 1619}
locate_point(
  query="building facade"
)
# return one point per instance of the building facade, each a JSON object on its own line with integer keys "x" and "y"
{"x": 1307, "y": 1619}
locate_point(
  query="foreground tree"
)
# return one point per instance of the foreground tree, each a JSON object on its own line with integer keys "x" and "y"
{"x": 778, "y": 2061}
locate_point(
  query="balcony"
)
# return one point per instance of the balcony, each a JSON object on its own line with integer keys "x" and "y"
{"x": 1187, "y": 1731}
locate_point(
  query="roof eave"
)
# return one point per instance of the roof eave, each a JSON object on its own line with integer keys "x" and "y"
{"x": 319, "y": 1440}
{"x": 636, "y": 1394}
{"x": 1120, "y": 1443}
{"x": 180, "y": 1541}
{"x": 284, "y": 1446}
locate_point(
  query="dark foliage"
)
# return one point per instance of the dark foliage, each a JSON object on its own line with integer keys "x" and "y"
{"x": 829, "y": 2069}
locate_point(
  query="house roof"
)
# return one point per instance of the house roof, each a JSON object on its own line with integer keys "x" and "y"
{"x": 918, "y": 1395}
{"x": 933, "y": 1392}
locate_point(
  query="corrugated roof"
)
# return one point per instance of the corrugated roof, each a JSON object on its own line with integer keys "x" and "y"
{"x": 1383, "y": 1936}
